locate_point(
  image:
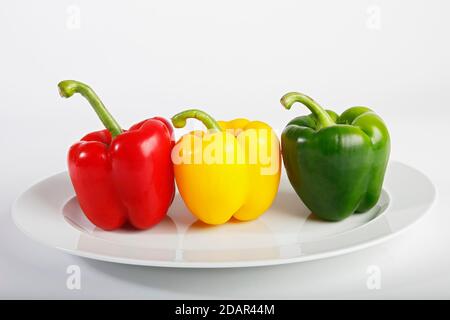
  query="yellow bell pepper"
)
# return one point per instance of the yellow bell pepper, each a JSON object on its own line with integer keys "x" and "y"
{"x": 231, "y": 170}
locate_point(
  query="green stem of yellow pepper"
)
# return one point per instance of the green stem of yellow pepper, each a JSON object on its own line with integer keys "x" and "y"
{"x": 179, "y": 120}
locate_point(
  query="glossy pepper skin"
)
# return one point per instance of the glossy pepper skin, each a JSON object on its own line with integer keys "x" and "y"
{"x": 232, "y": 184}
{"x": 121, "y": 176}
{"x": 336, "y": 164}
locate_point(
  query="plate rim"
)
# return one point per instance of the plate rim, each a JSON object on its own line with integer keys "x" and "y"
{"x": 224, "y": 264}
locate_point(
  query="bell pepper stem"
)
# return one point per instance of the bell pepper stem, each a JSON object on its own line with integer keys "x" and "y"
{"x": 179, "y": 120}
{"x": 321, "y": 115}
{"x": 68, "y": 87}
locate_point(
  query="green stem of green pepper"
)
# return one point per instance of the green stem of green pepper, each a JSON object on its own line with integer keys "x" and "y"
{"x": 323, "y": 118}
{"x": 179, "y": 120}
{"x": 68, "y": 87}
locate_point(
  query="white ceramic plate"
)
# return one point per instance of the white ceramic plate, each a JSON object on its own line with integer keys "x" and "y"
{"x": 48, "y": 212}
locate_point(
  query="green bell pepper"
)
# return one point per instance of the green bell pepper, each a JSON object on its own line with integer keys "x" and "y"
{"x": 336, "y": 164}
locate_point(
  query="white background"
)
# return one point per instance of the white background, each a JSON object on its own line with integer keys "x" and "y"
{"x": 234, "y": 59}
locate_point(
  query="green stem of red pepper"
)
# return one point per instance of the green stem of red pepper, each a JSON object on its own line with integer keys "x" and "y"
{"x": 179, "y": 120}
{"x": 68, "y": 87}
{"x": 323, "y": 118}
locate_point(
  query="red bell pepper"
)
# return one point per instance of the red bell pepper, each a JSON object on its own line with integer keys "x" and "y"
{"x": 121, "y": 176}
